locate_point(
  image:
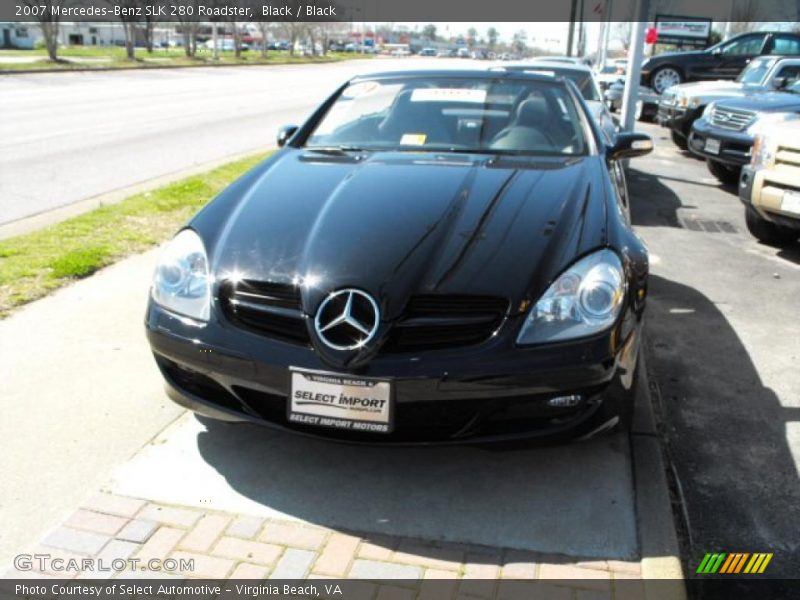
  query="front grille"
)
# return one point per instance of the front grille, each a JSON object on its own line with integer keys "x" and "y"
{"x": 729, "y": 118}
{"x": 433, "y": 322}
{"x": 787, "y": 156}
{"x": 272, "y": 309}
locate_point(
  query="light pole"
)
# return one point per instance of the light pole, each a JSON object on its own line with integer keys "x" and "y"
{"x": 631, "y": 93}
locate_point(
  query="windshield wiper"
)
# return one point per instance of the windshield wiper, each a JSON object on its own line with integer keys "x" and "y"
{"x": 335, "y": 150}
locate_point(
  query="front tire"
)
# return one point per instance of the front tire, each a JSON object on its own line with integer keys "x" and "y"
{"x": 665, "y": 77}
{"x": 727, "y": 175}
{"x": 679, "y": 140}
{"x": 766, "y": 232}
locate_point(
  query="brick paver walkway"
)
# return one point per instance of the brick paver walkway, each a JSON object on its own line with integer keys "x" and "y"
{"x": 228, "y": 546}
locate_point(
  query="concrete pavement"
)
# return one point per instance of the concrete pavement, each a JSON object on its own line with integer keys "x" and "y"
{"x": 723, "y": 335}
{"x": 79, "y": 394}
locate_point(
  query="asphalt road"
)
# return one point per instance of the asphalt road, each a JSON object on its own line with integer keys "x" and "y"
{"x": 723, "y": 331}
{"x": 67, "y": 137}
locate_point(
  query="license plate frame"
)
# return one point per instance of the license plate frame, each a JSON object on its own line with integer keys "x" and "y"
{"x": 321, "y": 401}
{"x": 712, "y": 146}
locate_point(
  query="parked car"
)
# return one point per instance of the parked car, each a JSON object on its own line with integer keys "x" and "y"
{"x": 724, "y": 134}
{"x": 770, "y": 185}
{"x": 583, "y": 78}
{"x": 721, "y": 61}
{"x": 646, "y": 101}
{"x": 427, "y": 52}
{"x": 364, "y": 282}
{"x": 608, "y": 74}
{"x": 681, "y": 105}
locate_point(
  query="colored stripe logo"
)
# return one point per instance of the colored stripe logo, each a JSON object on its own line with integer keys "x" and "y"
{"x": 734, "y": 563}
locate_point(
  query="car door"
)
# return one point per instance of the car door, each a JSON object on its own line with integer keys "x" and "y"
{"x": 731, "y": 58}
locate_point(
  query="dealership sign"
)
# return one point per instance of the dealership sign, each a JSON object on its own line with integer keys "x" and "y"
{"x": 683, "y": 30}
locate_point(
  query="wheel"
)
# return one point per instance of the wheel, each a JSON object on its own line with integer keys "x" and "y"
{"x": 679, "y": 140}
{"x": 664, "y": 78}
{"x": 727, "y": 175}
{"x": 767, "y": 232}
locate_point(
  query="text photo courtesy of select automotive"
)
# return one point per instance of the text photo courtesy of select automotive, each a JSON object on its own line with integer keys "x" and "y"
{"x": 341, "y": 305}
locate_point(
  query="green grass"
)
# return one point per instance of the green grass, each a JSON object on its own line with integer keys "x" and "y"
{"x": 115, "y": 58}
{"x": 34, "y": 264}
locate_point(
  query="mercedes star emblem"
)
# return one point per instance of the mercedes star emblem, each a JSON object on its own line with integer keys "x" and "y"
{"x": 347, "y": 319}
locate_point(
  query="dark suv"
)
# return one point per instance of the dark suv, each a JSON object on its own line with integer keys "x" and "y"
{"x": 721, "y": 61}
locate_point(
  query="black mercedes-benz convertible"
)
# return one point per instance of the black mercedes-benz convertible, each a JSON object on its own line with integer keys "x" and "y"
{"x": 433, "y": 257}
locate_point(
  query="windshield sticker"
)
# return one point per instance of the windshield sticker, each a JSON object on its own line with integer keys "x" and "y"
{"x": 413, "y": 139}
{"x": 541, "y": 72}
{"x": 448, "y": 95}
{"x": 359, "y": 90}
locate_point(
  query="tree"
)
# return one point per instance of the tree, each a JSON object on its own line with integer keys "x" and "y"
{"x": 48, "y": 23}
{"x": 429, "y": 32}
{"x": 519, "y": 42}
{"x": 129, "y": 19}
{"x": 472, "y": 35}
{"x": 492, "y": 36}
{"x": 189, "y": 28}
{"x": 264, "y": 28}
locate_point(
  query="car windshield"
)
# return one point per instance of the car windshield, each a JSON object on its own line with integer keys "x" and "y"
{"x": 514, "y": 116}
{"x": 755, "y": 71}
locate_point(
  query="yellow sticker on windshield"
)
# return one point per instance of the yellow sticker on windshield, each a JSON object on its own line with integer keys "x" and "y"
{"x": 413, "y": 139}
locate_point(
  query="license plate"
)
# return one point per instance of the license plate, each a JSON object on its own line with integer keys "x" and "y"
{"x": 791, "y": 202}
{"x": 340, "y": 401}
{"x": 712, "y": 146}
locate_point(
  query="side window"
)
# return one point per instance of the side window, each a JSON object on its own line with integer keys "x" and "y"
{"x": 791, "y": 73}
{"x": 785, "y": 44}
{"x": 748, "y": 44}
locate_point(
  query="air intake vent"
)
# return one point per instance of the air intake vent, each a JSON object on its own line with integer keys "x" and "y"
{"x": 269, "y": 308}
{"x": 435, "y": 322}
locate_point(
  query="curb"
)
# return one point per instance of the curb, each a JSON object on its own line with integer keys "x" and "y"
{"x": 157, "y": 66}
{"x": 55, "y": 215}
{"x": 658, "y": 540}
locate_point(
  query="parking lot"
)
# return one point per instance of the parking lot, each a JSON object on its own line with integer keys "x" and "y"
{"x": 724, "y": 385}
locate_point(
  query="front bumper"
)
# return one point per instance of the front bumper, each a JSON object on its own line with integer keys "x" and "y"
{"x": 763, "y": 189}
{"x": 734, "y": 146}
{"x": 678, "y": 119}
{"x": 485, "y": 393}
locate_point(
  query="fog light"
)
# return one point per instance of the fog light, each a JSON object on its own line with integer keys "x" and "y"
{"x": 565, "y": 401}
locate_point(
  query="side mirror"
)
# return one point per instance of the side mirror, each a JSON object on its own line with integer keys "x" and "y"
{"x": 716, "y": 52}
{"x": 780, "y": 82}
{"x": 630, "y": 145}
{"x": 284, "y": 133}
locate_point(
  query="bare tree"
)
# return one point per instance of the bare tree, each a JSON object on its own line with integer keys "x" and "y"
{"x": 129, "y": 19}
{"x": 48, "y": 23}
{"x": 189, "y": 28}
{"x": 264, "y": 28}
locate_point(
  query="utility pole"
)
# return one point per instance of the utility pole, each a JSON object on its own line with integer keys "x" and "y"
{"x": 572, "y": 9}
{"x": 631, "y": 93}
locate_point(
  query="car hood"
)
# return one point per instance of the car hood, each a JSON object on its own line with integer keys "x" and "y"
{"x": 399, "y": 224}
{"x": 764, "y": 102}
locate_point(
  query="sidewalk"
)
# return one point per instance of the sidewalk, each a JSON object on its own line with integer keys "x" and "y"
{"x": 225, "y": 545}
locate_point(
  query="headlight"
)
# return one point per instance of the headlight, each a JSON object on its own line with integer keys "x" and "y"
{"x": 181, "y": 282}
{"x": 763, "y": 152}
{"x": 693, "y": 102}
{"x": 585, "y": 299}
{"x": 682, "y": 101}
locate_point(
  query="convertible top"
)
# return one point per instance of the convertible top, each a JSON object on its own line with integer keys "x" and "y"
{"x": 457, "y": 73}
